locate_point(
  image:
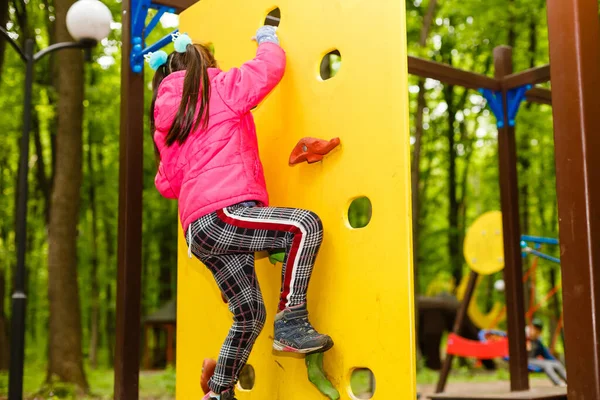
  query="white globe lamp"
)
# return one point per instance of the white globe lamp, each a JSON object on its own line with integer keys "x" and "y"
{"x": 89, "y": 20}
{"x": 500, "y": 285}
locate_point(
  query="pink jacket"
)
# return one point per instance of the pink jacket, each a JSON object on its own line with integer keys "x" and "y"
{"x": 220, "y": 166}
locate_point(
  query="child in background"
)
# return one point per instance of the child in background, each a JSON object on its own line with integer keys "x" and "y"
{"x": 540, "y": 357}
{"x": 208, "y": 160}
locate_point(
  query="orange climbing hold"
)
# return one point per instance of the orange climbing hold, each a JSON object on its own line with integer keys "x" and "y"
{"x": 312, "y": 150}
{"x": 208, "y": 369}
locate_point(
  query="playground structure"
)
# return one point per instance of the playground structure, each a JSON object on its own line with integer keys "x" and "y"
{"x": 438, "y": 312}
{"x": 483, "y": 251}
{"x": 574, "y": 34}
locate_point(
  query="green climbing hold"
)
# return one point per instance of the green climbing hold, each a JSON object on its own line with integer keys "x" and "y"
{"x": 276, "y": 257}
{"x": 317, "y": 376}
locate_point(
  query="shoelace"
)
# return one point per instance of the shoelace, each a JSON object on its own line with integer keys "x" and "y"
{"x": 309, "y": 326}
{"x": 303, "y": 323}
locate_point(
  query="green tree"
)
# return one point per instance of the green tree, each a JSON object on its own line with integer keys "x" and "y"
{"x": 65, "y": 335}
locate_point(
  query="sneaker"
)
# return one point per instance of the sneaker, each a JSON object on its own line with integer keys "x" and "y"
{"x": 294, "y": 334}
{"x": 227, "y": 395}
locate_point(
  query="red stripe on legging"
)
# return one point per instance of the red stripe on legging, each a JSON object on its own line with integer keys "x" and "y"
{"x": 273, "y": 226}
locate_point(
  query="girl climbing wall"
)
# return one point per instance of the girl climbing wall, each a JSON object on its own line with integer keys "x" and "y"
{"x": 208, "y": 160}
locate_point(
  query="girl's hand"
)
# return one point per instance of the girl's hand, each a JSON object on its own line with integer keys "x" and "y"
{"x": 266, "y": 34}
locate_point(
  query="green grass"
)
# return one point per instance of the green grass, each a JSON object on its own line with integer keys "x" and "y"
{"x": 159, "y": 385}
{"x": 427, "y": 376}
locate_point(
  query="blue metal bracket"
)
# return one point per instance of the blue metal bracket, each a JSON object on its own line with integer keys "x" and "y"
{"x": 140, "y": 31}
{"x": 514, "y": 99}
{"x": 539, "y": 240}
{"x": 537, "y": 245}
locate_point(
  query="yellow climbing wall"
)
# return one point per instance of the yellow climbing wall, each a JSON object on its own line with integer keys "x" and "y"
{"x": 361, "y": 290}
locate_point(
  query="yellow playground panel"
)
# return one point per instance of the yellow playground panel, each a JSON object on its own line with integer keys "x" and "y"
{"x": 484, "y": 253}
{"x": 361, "y": 290}
{"x": 484, "y": 244}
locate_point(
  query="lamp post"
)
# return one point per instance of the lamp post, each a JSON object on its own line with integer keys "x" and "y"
{"x": 88, "y": 21}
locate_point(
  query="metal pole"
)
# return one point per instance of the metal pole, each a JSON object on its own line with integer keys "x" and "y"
{"x": 513, "y": 270}
{"x": 574, "y": 33}
{"x": 19, "y": 298}
{"x": 458, "y": 324}
{"x": 128, "y": 315}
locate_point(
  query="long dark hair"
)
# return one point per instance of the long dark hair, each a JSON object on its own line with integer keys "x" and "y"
{"x": 195, "y": 61}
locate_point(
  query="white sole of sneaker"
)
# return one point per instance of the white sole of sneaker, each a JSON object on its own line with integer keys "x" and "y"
{"x": 277, "y": 346}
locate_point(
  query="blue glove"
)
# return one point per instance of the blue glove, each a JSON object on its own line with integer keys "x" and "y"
{"x": 266, "y": 34}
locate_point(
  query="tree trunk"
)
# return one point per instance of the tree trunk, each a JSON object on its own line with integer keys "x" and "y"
{"x": 110, "y": 325}
{"x": 453, "y": 231}
{"x": 36, "y": 241}
{"x": 21, "y": 17}
{"x": 4, "y": 266}
{"x": 467, "y": 144}
{"x": 40, "y": 172}
{"x": 415, "y": 182}
{"x": 427, "y": 156}
{"x": 3, "y": 21}
{"x": 167, "y": 254}
{"x": 95, "y": 286}
{"x": 523, "y": 157}
{"x": 416, "y": 155}
{"x": 462, "y": 204}
{"x": 65, "y": 336}
{"x": 107, "y": 215}
{"x": 416, "y": 162}
{"x": 556, "y": 307}
{"x": 4, "y": 340}
{"x": 512, "y": 33}
{"x": 168, "y": 260}
{"x": 541, "y": 209}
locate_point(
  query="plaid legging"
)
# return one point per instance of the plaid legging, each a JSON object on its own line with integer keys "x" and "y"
{"x": 225, "y": 241}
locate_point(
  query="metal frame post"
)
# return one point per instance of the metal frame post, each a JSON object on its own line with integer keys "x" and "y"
{"x": 457, "y": 329}
{"x": 574, "y": 33}
{"x": 128, "y": 313}
{"x": 513, "y": 270}
{"x": 131, "y": 174}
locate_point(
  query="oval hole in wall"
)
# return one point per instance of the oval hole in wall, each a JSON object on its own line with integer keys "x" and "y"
{"x": 362, "y": 383}
{"x": 247, "y": 378}
{"x": 330, "y": 64}
{"x": 360, "y": 212}
{"x": 273, "y": 17}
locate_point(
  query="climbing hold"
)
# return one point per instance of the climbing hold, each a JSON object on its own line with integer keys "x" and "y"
{"x": 317, "y": 376}
{"x": 312, "y": 150}
{"x": 208, "y": 370}
{"x": 277, "y": 256}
